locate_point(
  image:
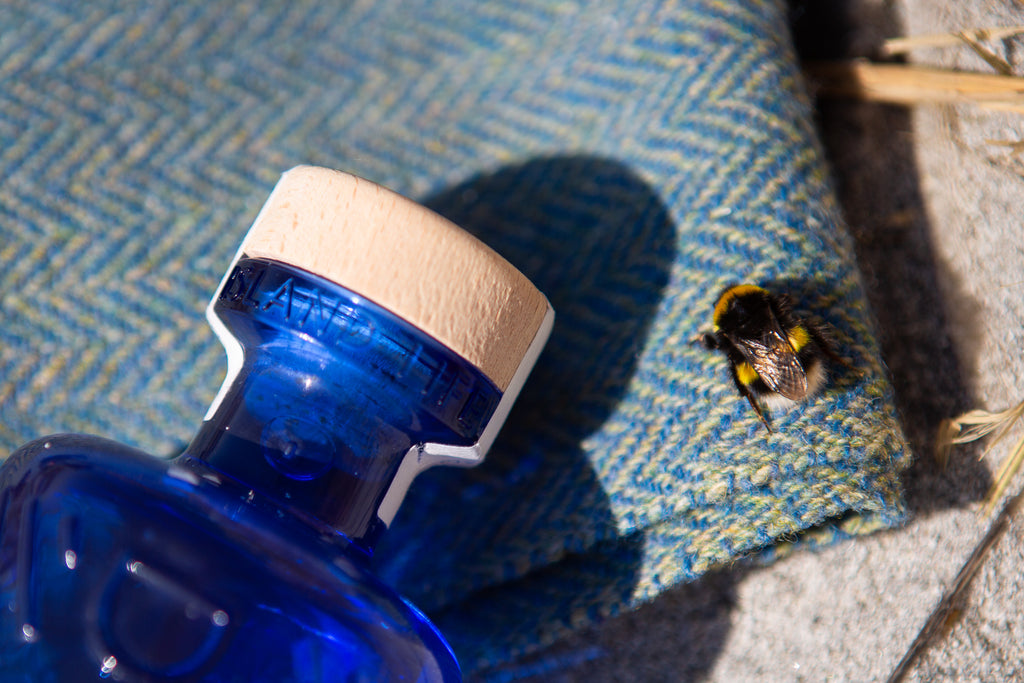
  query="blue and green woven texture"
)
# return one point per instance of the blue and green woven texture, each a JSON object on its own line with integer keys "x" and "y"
{"x": 632, "y": 158}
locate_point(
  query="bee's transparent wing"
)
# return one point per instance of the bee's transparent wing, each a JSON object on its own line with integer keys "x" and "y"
{"x": 775, "y": 361}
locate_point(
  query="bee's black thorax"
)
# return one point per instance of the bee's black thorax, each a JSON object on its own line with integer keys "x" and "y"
{"x": 743, "y": 310}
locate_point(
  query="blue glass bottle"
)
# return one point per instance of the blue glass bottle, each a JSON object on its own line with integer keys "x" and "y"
{"x": 247, "y": 557}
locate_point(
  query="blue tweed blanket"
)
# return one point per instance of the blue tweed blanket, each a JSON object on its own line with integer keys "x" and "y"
{"x": 632, "y": 158}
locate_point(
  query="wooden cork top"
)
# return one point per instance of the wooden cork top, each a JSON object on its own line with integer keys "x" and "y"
{"x": 405, "y": 258}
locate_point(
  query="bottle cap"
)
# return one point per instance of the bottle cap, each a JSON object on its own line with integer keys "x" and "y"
{"x": 407, "y": 259}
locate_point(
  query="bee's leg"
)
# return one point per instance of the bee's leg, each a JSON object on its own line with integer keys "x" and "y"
{"x": 709, "y": 341}
{"x": 745, "y": 391}
{"x": 821, "y": 338}
{"x": 757, "y": 409}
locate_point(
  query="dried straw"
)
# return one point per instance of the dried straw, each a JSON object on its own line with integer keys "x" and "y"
{"x": 903, "y": 45}
{"x": 976, "y": 424}
{"x": 907, "y": 84}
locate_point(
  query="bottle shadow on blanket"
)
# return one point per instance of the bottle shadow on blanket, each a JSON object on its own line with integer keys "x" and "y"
{"x": 599, "y": 243}
{"x": 677, "y": 637}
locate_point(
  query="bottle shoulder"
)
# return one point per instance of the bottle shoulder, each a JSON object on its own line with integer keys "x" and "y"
{"x": 136, "y": 494}
{"x": 74, "y": 450}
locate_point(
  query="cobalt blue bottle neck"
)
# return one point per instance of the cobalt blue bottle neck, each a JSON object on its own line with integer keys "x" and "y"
{"x": 329, "y": 393}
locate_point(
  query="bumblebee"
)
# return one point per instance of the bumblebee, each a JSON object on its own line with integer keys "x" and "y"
{"x": 773, "y": 355}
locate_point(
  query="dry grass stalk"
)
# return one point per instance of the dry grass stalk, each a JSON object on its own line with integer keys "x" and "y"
{"x": 906, "y": 84}
{"x": 1000, "y": 65}
{"x": 899, "y": 46}
{"x": 976, "y": 424}
{"x": 948, "y": 608}
{"x": 1015, "y": 147}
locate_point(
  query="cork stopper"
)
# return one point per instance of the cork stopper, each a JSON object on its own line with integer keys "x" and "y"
{"x": 407, "y": 259}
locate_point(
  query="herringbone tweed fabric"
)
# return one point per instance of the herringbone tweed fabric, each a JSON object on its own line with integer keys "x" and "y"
{"x": 632, "y": 158}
